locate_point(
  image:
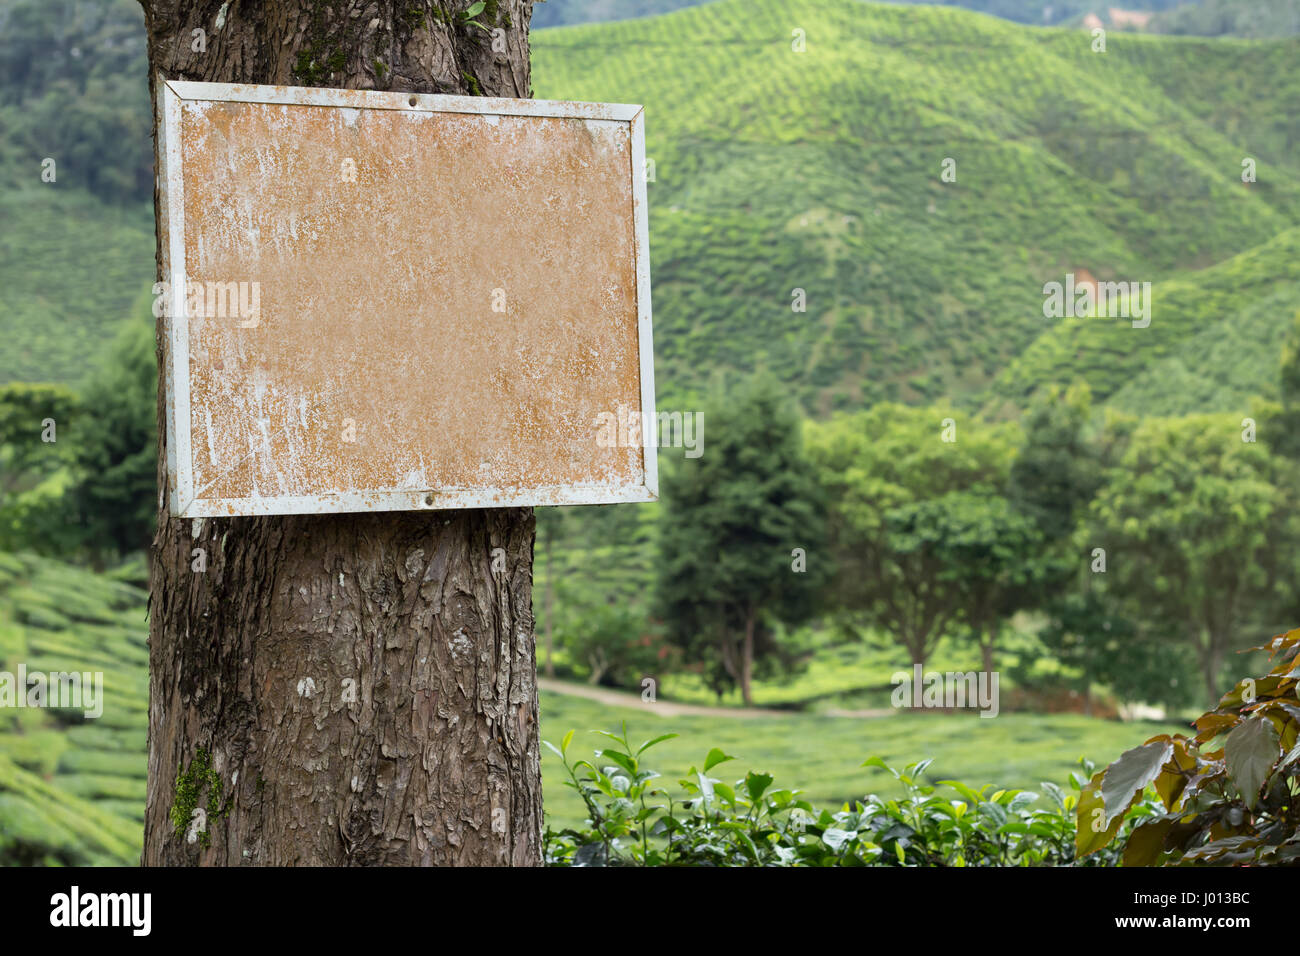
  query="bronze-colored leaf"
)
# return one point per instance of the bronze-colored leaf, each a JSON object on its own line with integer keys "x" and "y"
{"x": 1253, "y": 689}
{"x": 1124, "y": 780}
{"x": 1210, "y": 725}
{"x": 1146, "y": 842}
{"x": 1091, "y": 833}
{"x": 1252, "y": 750}
{"x": 1174, "y": 775}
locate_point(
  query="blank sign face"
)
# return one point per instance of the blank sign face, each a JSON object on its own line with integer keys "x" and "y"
{"x": 384, "y": 301}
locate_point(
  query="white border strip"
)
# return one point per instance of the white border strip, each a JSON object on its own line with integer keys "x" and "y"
{"x": 406, "y": 102}
{"x": 645, "y": 344}
{"x": 171, "y": 192}
{"x": 353, "y": 501}
{"x": 172, "y": 195}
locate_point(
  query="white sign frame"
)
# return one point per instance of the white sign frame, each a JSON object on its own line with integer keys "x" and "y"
{"x": 175, "y": 375}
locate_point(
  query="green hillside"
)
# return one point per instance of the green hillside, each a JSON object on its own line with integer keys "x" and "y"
{"x": 1214, "y": 340}
{"x": 71, "y": 269}
{"x": 777, "y": 171}
{"x": 820, "y": 170}
{"x": 1220, "y": 368}
{"x": 76, "y": 237}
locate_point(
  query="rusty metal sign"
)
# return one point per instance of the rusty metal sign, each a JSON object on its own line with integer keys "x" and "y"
{"x": 387, "y": 301}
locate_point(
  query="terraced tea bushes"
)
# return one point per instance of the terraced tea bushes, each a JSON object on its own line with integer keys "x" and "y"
{"x": 72, "y": 788}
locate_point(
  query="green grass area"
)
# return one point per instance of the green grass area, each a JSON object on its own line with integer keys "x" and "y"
{"x": 1218, "y": 367}
{"x": 823, "y": 755}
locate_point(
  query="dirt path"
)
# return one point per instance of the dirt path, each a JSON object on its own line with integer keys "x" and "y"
{"x": 666, "y": 708}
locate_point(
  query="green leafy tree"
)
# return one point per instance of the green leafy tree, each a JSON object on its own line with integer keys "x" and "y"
{"x": 1089, "y": 633}
{"x": 1188, "y": 522}
{"x": 27, "y": 454}
{"x": 995, "y": 557}
{"x": 616, "y": 642}
{"x": 1057, "y": 471}
{"x": 37, "y": 432}
{"x": 114, "y": 496}
{"x": 1054, "y": 479}
{"x": 907, "y": 508}
{"x": 73, "y": 86}
{"x": 1278, "y": 425}
{"x": 732, "y": 521}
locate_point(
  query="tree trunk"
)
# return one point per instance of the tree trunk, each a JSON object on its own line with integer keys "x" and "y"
{"x": 747, "y": 661}
{"x": 598, "y": 664}
{"x": 916, "y": 651}
{"x": 342, "y": 689}
{"x": 1211, "y": 664}
{"x": 727, "y": 653}
{"x": 1209, "y": 652}
{"x": 548, "y": 543}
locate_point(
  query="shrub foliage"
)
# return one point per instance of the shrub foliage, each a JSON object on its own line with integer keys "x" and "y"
{"x": 632, "y": 820}
{"x": 1227, "y": 795}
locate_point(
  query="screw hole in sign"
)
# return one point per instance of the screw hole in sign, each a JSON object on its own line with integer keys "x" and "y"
{"x": 428, "y": 500}
{"x": 412, "y": 101}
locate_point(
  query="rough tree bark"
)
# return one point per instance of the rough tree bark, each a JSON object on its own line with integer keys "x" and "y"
{"x": 346, "y": 689}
